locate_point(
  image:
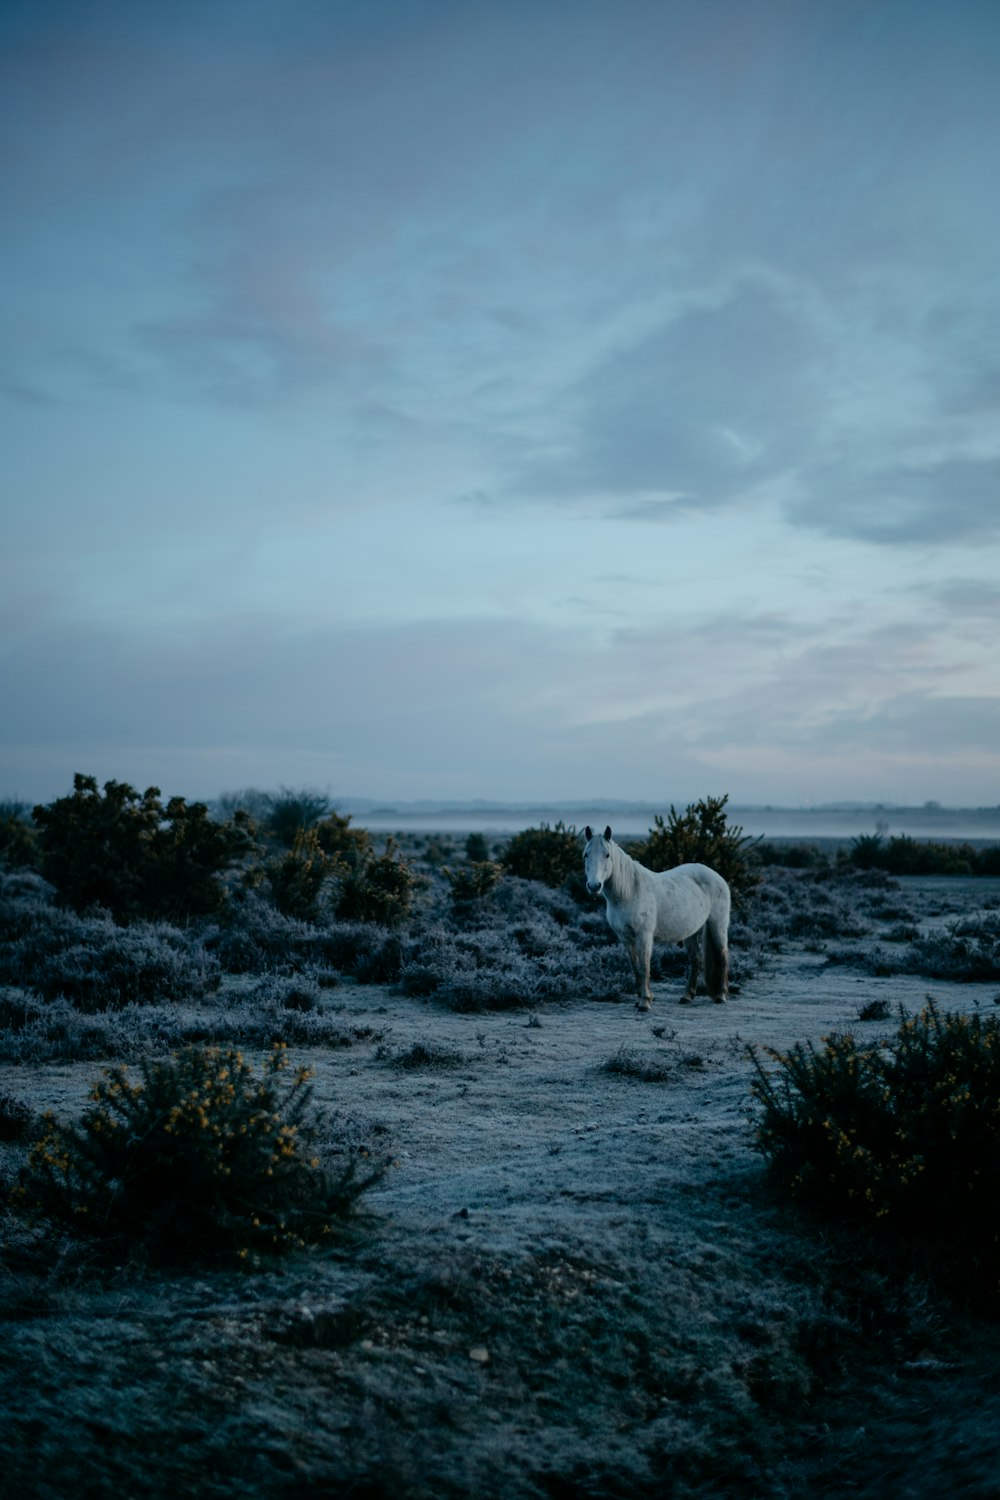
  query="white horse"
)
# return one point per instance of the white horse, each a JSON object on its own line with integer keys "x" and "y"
{"x": 688, "y": 904}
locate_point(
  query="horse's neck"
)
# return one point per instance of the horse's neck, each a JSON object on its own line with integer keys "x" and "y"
{"x": 624, "y": 878}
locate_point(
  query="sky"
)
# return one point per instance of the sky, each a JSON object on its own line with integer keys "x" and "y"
{"x": 523, "y": 399}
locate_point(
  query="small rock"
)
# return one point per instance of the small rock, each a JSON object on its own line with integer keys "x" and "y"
{"x": 479, "y": 1354}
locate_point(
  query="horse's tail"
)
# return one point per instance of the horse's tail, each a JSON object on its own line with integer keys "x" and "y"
{"x": 716, "y": 962}
{"x": 717, "y": 947}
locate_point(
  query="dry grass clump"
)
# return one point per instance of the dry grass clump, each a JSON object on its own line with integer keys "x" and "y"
{"x": 200, "y": 1157}
{"x": 660, "y": 1066}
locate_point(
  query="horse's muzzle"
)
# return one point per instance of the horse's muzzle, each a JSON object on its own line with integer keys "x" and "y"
{"x": 595, "y": 887}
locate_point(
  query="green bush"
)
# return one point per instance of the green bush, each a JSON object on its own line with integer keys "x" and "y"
{"x": 290, "y": 812}
{"x": 349, "y": 846}
{"x": 902, "y": 855}
{"x": 549, "y": 855}
{"x": 200, "y": 1157}
{"x": 298, "y": 876}
{"x": 379, "y": 889}
{"x": 477, "y": 850}
{"x": 135, "y": 857}
{"x": 904, "y": 1133}
{"x": 473, "y": 881}
{"x": 791, "y": 856}
{"x": 702, "y": 835}
{"x": 18, "y": 842}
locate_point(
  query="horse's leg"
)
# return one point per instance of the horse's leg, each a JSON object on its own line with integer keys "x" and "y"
{"x": 694, "y": 945}
{"x": 717, "y": 961}
{"x": 635, "y": 960}
{"x": 640, "y": 951}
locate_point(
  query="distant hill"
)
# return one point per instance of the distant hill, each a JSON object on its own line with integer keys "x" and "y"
{"x": 825, "y": 820}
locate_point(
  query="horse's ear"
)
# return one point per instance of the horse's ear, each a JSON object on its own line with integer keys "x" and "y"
{"x": 607, "y": 833}
{"x": 588, "y": 835}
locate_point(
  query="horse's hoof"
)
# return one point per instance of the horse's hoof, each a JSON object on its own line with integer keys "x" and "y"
{"x": 719, "y": 999}
{"x": 685, "y": 1000}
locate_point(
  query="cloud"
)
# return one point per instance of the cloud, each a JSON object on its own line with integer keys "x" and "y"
{"x": 966, "y": 598}
{"x": 757, "y": 395}
{"x": 955, "y": 499}
{"x": 495, "y": 708}
{"x": 921, "y": 726}
{"x": 695, "y": 413}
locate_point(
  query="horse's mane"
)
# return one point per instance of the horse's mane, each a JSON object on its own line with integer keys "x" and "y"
{"x": 626, "y": 875}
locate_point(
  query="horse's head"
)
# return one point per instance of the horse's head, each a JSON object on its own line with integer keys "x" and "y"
{"x": 597, "y": 862}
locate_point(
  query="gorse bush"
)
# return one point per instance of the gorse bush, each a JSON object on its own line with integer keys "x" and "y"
{"x": 348, "y": 846}
{"x": 379, "y": 889}
{"x": 904, "y": 1133}
{"x": 298, "y": 876}
{"x": 474, "y": 881}
{"x": 702, "y": 835}
{"x": 549, "y": 855}
{"x": 135, "y": 857}
{"x": 200, "y": 1157}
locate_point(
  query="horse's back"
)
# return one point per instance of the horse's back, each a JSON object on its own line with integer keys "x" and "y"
{"x": 703, "y": 875}
{"x": 686, "y": 897}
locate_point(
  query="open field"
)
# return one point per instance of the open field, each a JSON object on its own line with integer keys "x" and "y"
{"x": 574, "y": 1280}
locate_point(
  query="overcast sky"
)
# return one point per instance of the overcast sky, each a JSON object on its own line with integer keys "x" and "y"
{"x": 523, "y": 399}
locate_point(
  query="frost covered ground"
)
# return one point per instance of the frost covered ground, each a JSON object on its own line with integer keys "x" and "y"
{"x": 574, "y": 1280}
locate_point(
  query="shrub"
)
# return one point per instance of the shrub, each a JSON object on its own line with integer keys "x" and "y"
{"x": 256, "y": 938}
{"x": 473, "y": 881}
{"x": 18, "y": 842}
{"x": 962, "y": 954}
{"x": 904, "y": 1133}
{"x": 702, "y": 835}
{"x": 290, "y": 812}
{"x": 134, "y": 857}
{"x": 94, "y": 962}
{"x": 477, "y": 851}
{"x": 348, "y": 846}
{"x": 200, "y": 1157}
{"x": 549, "y": 855}
{"x": 791, "y": 856}
{"x": 902, "y": 855}
{"x": 298, "y": 876}
{"x": 34, "y": 1030}
{"x": 379, "y": 890}
{"x": 522, "y": 962}
{"x": 111, "y": 968}
{"x": 17, "y": 1119}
